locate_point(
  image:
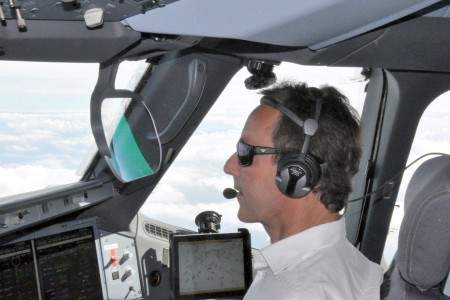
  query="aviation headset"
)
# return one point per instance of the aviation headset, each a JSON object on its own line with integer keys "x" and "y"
{"x": 298, "y": 173}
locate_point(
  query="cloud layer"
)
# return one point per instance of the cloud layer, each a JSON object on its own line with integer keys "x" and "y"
{"x": 41, "y": 149}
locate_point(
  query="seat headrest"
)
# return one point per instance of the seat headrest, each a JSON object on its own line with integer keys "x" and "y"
{"x": 423, "y": 257}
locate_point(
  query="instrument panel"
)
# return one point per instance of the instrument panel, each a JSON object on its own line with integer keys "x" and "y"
{"x": 78, "y": 260}
{"x": 73, "y": 260}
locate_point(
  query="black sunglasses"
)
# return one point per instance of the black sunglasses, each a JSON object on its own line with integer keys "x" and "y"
{"x": 245, "y": 152}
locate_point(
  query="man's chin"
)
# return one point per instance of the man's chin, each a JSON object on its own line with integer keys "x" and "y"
{"x": 245, "y": 218}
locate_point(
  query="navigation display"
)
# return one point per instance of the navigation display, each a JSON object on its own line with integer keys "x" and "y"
{"x": 17, "y": 272}
{"x": 65, "y": 265}
{"x": 56, "y": 266}
{"x": 211, "y": 265}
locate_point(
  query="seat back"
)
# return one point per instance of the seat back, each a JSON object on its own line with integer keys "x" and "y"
{"x": 422, "y": 262}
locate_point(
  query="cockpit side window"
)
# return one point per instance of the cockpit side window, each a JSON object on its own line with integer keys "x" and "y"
{"x": 432, "y": 135}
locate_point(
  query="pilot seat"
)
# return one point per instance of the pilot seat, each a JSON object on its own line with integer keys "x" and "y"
{"x": 421, "y": 265}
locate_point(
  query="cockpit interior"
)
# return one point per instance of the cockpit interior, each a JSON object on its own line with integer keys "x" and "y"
{"x": 139, "y": 104}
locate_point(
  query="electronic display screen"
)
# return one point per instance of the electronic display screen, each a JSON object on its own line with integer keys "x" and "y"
{"x": 211, "y": 265}
{"x": 17, "y": 272}
{"x": 56, "y": 266}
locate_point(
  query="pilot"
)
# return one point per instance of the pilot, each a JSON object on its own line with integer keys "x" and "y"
{"x": 295, "y": 160}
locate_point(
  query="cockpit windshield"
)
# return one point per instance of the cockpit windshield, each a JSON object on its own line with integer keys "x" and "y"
{"x": 44, "y": 123}
{"x": 45, "y": 132}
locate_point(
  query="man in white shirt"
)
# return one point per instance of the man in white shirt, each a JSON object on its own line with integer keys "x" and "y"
{"x": 310, "y": 141}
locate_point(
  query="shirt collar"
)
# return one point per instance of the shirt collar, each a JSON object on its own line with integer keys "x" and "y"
{"x": 300, "y": 246}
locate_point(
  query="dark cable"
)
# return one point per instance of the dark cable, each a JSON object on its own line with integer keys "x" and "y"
{"x": 395, "y": 176}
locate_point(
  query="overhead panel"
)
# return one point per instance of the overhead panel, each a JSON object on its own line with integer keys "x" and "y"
{"x": 312, "y": 23}
{"x": 73, "y": 10}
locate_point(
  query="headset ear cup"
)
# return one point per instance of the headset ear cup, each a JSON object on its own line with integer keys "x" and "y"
{"x": 297, "y": 177}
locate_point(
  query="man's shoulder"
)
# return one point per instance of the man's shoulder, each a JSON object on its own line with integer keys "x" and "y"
{"x": 335, "y": 271}
{"x": 340, "y": 269}
{"x": 339, "y": 256}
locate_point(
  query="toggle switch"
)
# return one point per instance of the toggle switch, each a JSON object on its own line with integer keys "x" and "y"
{"x": 129, "y": 271}
{"x": 114, "y": 258}
{"x": 2, "y": 14}
{"x": 127, "y": 255}
{"x": 20, "y": 20}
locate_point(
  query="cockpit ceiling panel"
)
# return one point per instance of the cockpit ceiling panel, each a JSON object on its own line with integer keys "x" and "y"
{"x": 73, "y": 10}
{"x": 312, "y": 23}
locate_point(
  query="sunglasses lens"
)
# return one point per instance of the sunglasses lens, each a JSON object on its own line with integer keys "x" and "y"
{"x": 243, "y": 153}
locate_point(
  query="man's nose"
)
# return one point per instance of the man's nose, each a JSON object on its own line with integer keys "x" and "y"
{"x": 231, "y": 165}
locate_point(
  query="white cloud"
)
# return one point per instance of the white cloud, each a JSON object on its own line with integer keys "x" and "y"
{"x": 63, "y": 78}
{"x": 26, "y": 178}
{"x": 41, "y": 149}
{"x": 45, "y": 123}
{"x": 19, "y": 148}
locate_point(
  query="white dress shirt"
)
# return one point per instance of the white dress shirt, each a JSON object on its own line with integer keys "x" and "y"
{"x": 318, "y": 263}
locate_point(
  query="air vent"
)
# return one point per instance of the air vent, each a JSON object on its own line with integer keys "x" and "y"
{"x": 157, "y": 231}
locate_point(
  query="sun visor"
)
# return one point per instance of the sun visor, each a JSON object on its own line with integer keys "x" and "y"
{"x": 311, "y": 23}
{"x": 131, "y": 151}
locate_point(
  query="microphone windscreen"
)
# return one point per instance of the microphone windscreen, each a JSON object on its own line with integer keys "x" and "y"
{"x": 229, "y": 193}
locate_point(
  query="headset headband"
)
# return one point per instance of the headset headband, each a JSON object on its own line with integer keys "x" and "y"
{"x": 309, "y": 126}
